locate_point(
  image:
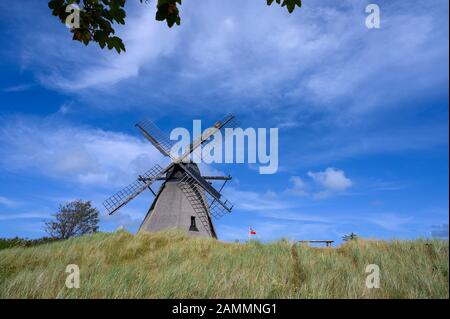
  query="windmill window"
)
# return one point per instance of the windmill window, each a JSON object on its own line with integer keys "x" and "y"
{"x": 193, "y": 225}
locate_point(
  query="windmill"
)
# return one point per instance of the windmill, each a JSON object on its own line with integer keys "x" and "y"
{"x": 186, "y": 199}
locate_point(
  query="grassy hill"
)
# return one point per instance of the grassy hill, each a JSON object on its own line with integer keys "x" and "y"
{"x": 170, "y": 265}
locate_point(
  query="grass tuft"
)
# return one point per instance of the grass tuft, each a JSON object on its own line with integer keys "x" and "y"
{"x": 170, "y": 265}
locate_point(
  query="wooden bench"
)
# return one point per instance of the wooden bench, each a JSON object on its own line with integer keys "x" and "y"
{"x": 327, "y": 242}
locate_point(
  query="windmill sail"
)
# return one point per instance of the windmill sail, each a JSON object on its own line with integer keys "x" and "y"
{"x": 200, "y": 180}
{"x": 155, "y": 136}
{"x": 217, "y": 207}
{"x": 122, "y": 197}
{"x": 228, "y": 121}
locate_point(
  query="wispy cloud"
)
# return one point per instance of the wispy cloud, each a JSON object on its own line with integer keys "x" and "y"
{"x": 8, "y": 202}
{"x": 392, "y": 222}
{"x": 334, "y": 88}
{"x": 321, "y": 185}
{"x": 5, "y": 217}
{"x": 253, "y": 201}
{"x": 77, "y": 154}
{"x": 332, "y": 179}
{"x": 298, "y": 186}
{"x": 355, "y": 140}
{"x": 319, "y": 71}
{"x": 17, "y": 88}
{"x": 440, "y": 231}
{"x": 302, "y": 58}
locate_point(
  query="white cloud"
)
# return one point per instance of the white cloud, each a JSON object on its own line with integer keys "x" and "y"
{"x": 17, "y": 88}
{"x": 5, "y": 217}
{"x": 333, "y": 180}
{"x": 64, "y": 109}
{"x": 298, "y": 186}
{"x": 375, "y": 138}
{"x": 322, "y": 52}
{"x": 253, "y": 201}
{"x": 295, "y": 214}
{"x": 392, "y": 222}
{"x": 146, "y": 42}
{"x": 319, "y": 67}
{"x": 8, "y": 202}
{"x": 76, "y": 154}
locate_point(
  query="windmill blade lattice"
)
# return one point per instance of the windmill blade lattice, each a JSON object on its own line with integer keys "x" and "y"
{"x": 131, "y": 191}
{"x": 156, "y": 136}
{"x": 216, "y": 209}
{"x": 204, "y": 138}
{"x": 200, "y": 180}
{"x": 228, "y": 121}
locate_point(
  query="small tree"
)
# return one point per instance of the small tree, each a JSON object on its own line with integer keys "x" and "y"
{"x": 351, "y": 236}
{"x": 73, "y": 219}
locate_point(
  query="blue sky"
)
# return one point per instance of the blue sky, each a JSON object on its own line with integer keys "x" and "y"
{"x": 362, "y": 113}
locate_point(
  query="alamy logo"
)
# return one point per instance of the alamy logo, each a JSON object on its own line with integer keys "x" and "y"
{"x": 373, "y": 279}
{"x": 373, "y": 19}
{"x": 73, "y": 19}
{"x": 73, "y": 279}
{"x": 258, "y": 146}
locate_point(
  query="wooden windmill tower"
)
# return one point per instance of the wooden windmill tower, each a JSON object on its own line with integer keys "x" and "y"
{"x": 186, "y": 199}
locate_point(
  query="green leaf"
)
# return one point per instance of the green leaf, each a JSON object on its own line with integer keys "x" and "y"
{"x": 160, "y": 15}
{"x": 98, "y": 18}
{"x": 116, "y": 42}
{"x": 290, "y": 4}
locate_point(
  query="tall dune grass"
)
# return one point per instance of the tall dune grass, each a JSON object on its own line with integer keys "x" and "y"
{"x": 171, "y": 265}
